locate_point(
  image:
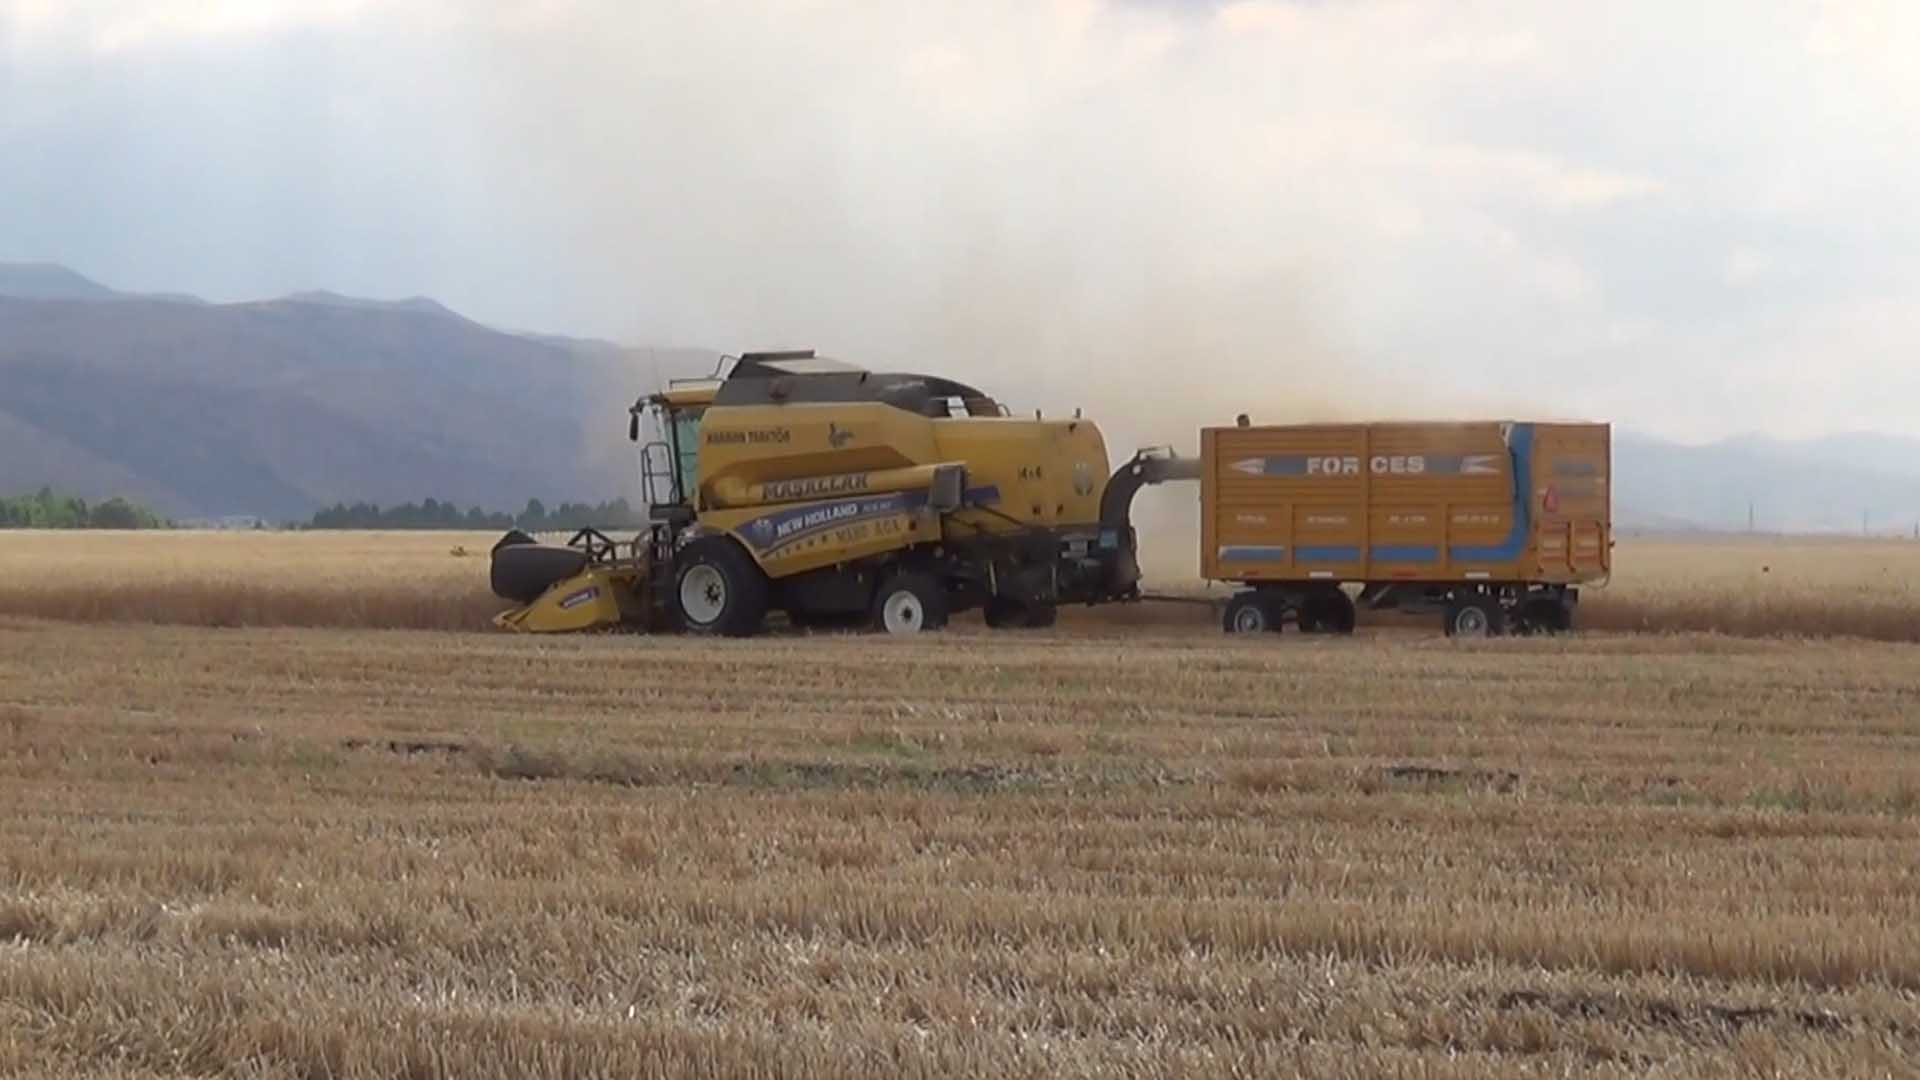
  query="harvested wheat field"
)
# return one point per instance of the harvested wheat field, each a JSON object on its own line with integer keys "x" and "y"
{"x": 1108, "y": 849}
{"x": 330, "y": 853}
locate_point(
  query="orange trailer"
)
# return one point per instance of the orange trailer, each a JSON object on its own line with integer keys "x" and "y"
{"x": 1494, "y": 524}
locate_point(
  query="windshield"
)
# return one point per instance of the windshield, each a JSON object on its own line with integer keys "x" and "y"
{"x": 686, "y": 449}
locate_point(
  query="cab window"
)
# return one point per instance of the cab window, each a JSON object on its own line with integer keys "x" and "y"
{"x": 686, "y": 450}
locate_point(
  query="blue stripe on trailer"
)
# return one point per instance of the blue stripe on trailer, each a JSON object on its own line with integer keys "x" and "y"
{"x": 1251, "y": 553}
{"x": 1520, "y": 447}
{"x": 1333, "y": 553}
{"x": 1406, "y": 552}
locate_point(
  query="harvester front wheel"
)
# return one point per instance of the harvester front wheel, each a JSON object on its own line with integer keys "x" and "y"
{"x": 910, "y": 602}
{"x": 717, "y": 589}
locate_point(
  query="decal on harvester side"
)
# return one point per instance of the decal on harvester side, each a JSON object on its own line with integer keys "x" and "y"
{"x": 838, "y": 436}
{"x": 574, "y": 600}
{"x": 814, "y": 487}
{"x": 748, "y": 435}
{"x": 771, "y": 533}
{"x": 1378, "y": 465}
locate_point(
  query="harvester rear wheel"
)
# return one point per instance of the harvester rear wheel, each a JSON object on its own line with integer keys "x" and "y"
{"x": 910, "y": 602}
{"x": 717, "y": 589}
{"x": 1475, "y": 617}
{"x": 1251, "y": 612}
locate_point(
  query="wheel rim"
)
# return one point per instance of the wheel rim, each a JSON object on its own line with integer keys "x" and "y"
{"x": 903, "y": 613}
{"x": 1250, "y": 620}
{"x": 703, "y": 594}
{"x": 1470, "y": 622}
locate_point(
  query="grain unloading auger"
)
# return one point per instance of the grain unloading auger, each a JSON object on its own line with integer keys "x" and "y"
{"x": 844, "y": 497}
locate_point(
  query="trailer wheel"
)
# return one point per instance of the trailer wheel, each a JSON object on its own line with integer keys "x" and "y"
{"x": 717, "y": 588}
{"x": 1542, "y": 614}
{"x": 1475, "y": 617}
{"x": 1251, "y": 612}
{"x": 910, "y": 602}
{"x": 1009, "y": 613}
{"x": 1327, "y": 612}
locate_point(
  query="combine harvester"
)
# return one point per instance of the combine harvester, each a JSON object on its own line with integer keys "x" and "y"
{"x": 844, "y": 497}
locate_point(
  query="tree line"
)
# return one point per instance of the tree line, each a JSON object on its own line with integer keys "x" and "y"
{"x": 47, "y": 509}
{"x": 434, "y": 514}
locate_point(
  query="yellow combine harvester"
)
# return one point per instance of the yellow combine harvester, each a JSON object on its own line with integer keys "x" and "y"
{"x": 844, "y": 497}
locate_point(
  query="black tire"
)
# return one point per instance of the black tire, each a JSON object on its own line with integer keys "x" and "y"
{"x": 1476, "y": 617}
{"x": 909, "y": 602}
{"x": 513, "y": 538}
{"x": 1544, "y": 615}
{"x": 1010, "y": 613}
{"x": 1327, "y": 612}
{"x": 727, "y": 590}
{"x": 1251, "y": 613}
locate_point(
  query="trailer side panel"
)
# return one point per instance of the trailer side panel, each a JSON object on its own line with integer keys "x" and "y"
{"x": 1455, "y": 502}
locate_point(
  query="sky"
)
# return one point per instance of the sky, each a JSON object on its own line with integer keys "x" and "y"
{"x": 1692, "y": 220}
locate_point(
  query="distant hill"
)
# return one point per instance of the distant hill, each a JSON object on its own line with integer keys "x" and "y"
{"x": 45, "y": 281}
{"x": 1823, "y": 485}
{"x": 418, "y": 305}
{"x": 280, "y": 407}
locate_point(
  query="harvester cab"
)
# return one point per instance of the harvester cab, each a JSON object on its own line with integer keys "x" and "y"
{"x": 842, "y": 497}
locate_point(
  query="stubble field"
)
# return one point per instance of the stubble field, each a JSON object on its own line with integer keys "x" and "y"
{"x": 1128, "y": 846}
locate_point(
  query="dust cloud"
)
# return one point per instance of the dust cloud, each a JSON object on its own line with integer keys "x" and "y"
{"x": 1160, "y": 214}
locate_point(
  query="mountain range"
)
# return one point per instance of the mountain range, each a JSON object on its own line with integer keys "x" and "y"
{"x": 276, "y": 408}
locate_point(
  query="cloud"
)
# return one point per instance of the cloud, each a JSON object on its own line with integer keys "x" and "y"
{"x": 109, "y": 27}
{"x": 1166, "y": 213}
